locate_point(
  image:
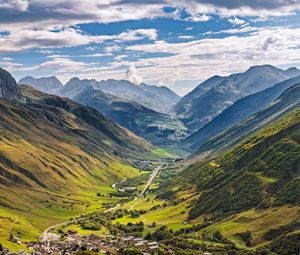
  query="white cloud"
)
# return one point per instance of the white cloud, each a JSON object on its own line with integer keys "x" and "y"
{"x": 246, "y": 29}
{"x": 120, "y": 57}
{"x": 199, "y": 18}
{"x": 236, "y": 21}
{"x": 90, "y": 48}
{"x": 113, "y": 48}
{"x": 277, "y": 46}
{"x": 96, "y": 55}
{"x": 7, "y": 59}
{"x": 186, "y": 37}
{"x": 27, "y": 39}
{"x": 20, "y": 5}
{"x": 132, "y": 76}
{"x": 138, "y": 34}
{"x": 59, "y": 14}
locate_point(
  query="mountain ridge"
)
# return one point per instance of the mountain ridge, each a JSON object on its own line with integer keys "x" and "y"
{"x": 203, "y": 109}
{"x": 239, "y": 111}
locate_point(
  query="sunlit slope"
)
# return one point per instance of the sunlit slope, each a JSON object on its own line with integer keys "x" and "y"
{"x": 262, "y": 171}
{"x": 55, "y": 155}
{"x": 248, "y": 188}
{"x": 287, "y": 102}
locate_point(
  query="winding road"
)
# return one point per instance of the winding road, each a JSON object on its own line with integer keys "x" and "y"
{"x": 149, "y": 183}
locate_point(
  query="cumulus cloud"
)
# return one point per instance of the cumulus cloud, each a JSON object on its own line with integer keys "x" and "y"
{"x": 132, "y": 76}
{"x": 43, "y": 14}
{"x": 195, "y": 58}
{"x": 20, "y": 5}
{"x": 45, "y": 26}
{"x": 27, "y": 39}
{"x": 246, "y": 29}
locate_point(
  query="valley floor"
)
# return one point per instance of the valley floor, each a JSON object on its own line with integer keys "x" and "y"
{"x": 143, "y": 215}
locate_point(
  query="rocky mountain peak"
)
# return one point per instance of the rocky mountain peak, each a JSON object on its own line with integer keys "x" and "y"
{"x": 9, "y": 88}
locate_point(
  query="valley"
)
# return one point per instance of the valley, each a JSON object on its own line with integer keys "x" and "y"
{"x": 86, "y": 168}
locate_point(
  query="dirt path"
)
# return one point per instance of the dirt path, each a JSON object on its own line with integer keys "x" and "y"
{"x": 12, "y": 224}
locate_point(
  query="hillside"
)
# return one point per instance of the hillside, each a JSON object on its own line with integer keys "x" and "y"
{"x": 285, "y": 103}
{"x": 240, "y": 110}
{"x": 55, "y": 155}
{"x": 158, "y": 128}
{"x": 247, "y": 189}
{"x": 222, "y": 92}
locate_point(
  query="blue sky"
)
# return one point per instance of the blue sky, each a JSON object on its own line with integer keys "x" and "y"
{"x": 172, "y": 43}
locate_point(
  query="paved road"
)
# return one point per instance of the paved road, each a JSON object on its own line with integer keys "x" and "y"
{"x": 150, "y": 181}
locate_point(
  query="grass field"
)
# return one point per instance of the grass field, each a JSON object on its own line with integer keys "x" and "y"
{"x": 36, "y": 211}
{"x": 258, "y": 222}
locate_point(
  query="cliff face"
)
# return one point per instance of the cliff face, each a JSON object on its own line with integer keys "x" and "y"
{"x": 9, "y": 89}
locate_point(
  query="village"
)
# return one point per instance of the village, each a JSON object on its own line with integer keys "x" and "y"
{"x": 74, "y": 242}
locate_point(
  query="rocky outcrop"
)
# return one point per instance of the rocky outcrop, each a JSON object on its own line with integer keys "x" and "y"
{"x": 9, "y": 89}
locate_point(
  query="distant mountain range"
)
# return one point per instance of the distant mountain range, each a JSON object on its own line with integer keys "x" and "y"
{"x": 44, "y": 84}
{"x": 216, "y": 94}
{"x": 125, "y": 103}
{"x": 160, "y": 116}
{"x": 160, "y": 99}
{"x": 158, "y": 128}
{"x": 287, "y": 102}
{"x": 239, "y": 111}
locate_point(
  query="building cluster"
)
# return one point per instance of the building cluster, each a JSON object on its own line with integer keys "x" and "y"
{"x": 74, "y": 243}
{"x": 141, "y": 244}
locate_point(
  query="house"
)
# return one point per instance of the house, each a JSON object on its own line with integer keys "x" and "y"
{"x": 94, "y": 237}
{"x": 140, "y": 245}
{"x": 153, "y": 249}
{"x": 72, "y": 232}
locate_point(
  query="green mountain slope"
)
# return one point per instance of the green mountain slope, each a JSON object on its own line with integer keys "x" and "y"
{"x": 158, "y": 128}
{"x": 260, "y": 172}
{"x": 253, "y": 187}
{"x": 55, "y": 156}
{"x": 288, "y": 101}
{"x": 239, "y": 111}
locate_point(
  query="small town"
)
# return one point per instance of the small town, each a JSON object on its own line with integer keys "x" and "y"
{"x": 75, "y": 242}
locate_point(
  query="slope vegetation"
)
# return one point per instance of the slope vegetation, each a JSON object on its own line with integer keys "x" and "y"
{"x": 288, "y": 101}
{"x": 158, "y": 128}
{"x": 55, "y": 156}
{"x": 251, "y": 193}
{"x": 239, "y": 111}
{"x": 221, "y": 92}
